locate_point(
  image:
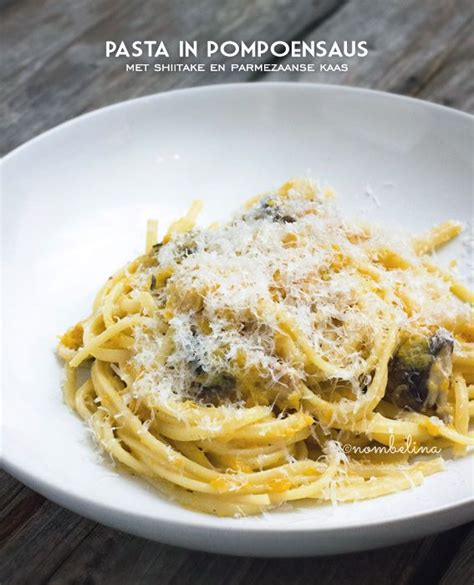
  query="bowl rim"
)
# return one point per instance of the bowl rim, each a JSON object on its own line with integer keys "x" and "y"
{"x": 195, "y": 520}
{"x": 245, "y": 86}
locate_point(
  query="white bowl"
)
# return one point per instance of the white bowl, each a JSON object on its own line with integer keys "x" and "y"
{"x": 75, "y": 204}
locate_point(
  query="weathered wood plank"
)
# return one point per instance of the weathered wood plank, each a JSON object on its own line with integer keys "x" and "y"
{"x": 42, "y": 537}
{"x": 74, "y": 76}
{"x": 436, "y": 554}
{"x": 453, "y": 83}
{"x": 107, "y": 557}
{"x": 19, "y": 510}
{"x": 461, "y": 570}
{"x": 9, "y": 487}
{"x": 409, "y": 44}
{"x": 33, "y": 32}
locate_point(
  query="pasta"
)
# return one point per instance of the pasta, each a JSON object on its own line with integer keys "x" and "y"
{"x": 286, "y": 355}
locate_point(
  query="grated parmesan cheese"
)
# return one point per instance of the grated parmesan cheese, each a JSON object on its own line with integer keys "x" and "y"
{"x": 299, "y": 253}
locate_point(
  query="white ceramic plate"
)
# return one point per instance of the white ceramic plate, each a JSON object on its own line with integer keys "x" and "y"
{"x": 75, "y": 204}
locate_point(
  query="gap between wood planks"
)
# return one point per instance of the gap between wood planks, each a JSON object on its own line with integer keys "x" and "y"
{"x": 108, "y": 557}
{"x": 437, "y": 554}
{"x": 408, "y": 45}
{"x": 461, "y": 570}
{"x": 64, "y": 560}
{"x": 19, "y": 510}
{"x": 301, "y": 34}
{"x": 439, "y": 63}
{"x": 71, "y": 77}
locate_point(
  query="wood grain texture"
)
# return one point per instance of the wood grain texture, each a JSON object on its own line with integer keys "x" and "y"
{"x": 452, "y": 84}
{"x": 409, "y": 47}
{"x": 461, "y": 570}
{"x": 54, "y": 68}
{"x": 73, "y": 76}
{"x": 46, "y": 28}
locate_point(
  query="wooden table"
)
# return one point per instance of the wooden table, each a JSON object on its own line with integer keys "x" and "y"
{"x": 52, "y": 69}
